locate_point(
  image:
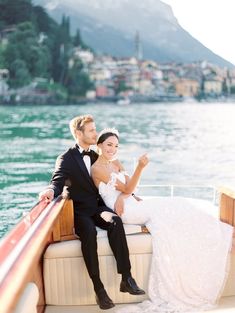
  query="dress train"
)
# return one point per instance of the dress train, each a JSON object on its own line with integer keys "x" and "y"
{"x": 190, "y": 251}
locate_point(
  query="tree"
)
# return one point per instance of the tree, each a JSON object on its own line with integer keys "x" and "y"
{"x": 13, "y": 12}
{"x": 23, "y": 45}
{"x": 43, "y": 23}
{"x": 225, "y": 86}
{"x": 232, "y": 90}
{"x": 77, "y": 40}
{"x": 39, "y": 47}
{"x": 61, "y": 51}
{"x": 121, "y": 86}
{"x": 2, "y": 65}
{"x": 65, "y": 30}
{"x": 20, "y": 75}
{"x": 77, "y": 81}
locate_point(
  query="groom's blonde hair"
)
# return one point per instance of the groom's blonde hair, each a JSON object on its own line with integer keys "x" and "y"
{"x": 79, "y": 122}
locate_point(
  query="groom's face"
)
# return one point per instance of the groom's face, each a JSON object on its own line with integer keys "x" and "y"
{"x": 88, "y": 136}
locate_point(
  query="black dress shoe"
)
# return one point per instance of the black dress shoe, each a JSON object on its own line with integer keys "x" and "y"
{"x": 103, "y": 300}
{"x": 129, "y": 285}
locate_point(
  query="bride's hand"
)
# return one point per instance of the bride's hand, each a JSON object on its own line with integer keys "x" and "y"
{"x": 143, "y": 160}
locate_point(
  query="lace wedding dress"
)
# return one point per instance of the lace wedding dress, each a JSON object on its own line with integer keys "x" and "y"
{"x": 190, "y": 251}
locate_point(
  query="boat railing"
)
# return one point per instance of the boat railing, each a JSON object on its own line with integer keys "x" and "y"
{"x": 207, "y": 192}
{"x": 21, "y": 250}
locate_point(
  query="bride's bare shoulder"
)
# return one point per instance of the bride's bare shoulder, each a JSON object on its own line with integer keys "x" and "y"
{"x": 99, "y": 171}
{"x": 119, "y": 165}
{"x": 96, "y": 168}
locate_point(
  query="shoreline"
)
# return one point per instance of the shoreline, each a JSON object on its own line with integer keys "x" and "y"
{"x": 114, "y": 101}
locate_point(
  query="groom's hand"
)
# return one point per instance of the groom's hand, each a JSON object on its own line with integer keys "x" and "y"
{"x": 46, "y": 195}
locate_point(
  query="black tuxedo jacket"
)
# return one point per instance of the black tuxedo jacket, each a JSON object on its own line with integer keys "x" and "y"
{"x": 71, "y": 170}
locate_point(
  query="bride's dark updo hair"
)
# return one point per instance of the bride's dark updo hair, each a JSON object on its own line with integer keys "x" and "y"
{"x": 106, "y": 133}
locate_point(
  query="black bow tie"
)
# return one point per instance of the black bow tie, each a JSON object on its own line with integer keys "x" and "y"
{"x": 86, "y": 153}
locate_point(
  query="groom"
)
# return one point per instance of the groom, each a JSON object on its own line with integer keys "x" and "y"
{"x": 74, "y": 166}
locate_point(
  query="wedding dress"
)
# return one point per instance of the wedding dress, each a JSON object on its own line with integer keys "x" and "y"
{"x": 190, "y": 251}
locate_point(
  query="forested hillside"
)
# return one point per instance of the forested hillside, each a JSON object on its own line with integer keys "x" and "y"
{"x": 33, "y": 45}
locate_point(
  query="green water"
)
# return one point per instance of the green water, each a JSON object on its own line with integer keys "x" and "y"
{"x": 186, "y": 143}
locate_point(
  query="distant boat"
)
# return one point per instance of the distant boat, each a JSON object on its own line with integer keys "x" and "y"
{"x": 124, "y": 101}
{"x": 190, "y": 100}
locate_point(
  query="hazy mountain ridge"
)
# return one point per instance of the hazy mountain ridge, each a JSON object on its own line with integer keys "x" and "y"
{"x": 109, "y": 26}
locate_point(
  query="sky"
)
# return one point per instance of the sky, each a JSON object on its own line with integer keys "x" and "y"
{"x": 212, "y": 22}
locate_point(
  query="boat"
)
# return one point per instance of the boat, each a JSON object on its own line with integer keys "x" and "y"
{"x": 124, "y": 101}
{"x": 42, "y": 269}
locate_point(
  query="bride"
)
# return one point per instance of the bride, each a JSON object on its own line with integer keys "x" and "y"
{"x": 190, "y": 247}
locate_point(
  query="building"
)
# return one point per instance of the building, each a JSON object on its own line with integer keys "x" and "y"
{"x": 213, "y": 87}
{"x": 187, "y": 87}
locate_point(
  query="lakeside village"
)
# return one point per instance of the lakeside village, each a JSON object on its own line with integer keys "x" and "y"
{"x": 126, "y": 80}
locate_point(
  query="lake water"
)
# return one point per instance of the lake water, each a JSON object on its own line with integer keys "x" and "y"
{"x": 187, "y": 143}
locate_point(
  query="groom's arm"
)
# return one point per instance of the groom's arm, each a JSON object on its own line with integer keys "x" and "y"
{"x": 60, "y": 175}
{"x": 57, "y": 183}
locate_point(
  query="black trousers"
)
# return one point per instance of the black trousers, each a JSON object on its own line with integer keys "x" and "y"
{"x": 116, "y": 236}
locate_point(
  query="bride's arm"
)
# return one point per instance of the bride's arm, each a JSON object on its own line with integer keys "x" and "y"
{"x": 99, "y": 174}
{"x": 119, "y": 204}
{"x": 132, "y": 181}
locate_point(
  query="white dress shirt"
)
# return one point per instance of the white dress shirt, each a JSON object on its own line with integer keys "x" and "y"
{"x": 86, "y": 159}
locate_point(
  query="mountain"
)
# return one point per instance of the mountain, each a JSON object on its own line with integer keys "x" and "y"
{"x": 110, "y": 27}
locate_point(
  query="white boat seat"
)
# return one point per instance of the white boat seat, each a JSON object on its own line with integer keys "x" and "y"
{"x": 137, "y": 243}
{"x": 66, "y": 280}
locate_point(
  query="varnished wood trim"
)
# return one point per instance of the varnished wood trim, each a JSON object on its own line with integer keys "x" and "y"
{"x": 64, "y": 227}
{"x": 230, "y": 192}
{"x": 144, "y": 229}
{"x": 68, "y": 237}
{"x": 56, "y": 231}
{"x": 10, "y": 241}
{"x": 28, "y": 262}
{"x": 227, "y": 205}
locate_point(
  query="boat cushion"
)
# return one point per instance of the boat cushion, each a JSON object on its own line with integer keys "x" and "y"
{"x": 66, "y": 279}
{"x": 128, "y": 228}
{"x": 138, "y": 244}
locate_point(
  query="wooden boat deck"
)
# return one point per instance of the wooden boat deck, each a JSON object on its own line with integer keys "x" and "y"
{"x": 226, "y": 305}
